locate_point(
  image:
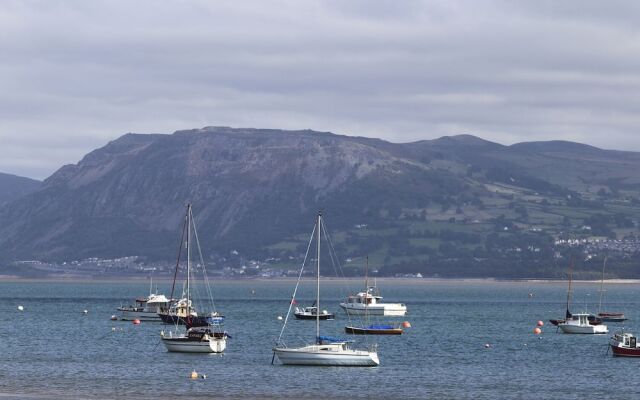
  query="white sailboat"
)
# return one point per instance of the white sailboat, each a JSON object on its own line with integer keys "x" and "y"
{"x": 326, "y": 351}
{"x": 196, "y": 339}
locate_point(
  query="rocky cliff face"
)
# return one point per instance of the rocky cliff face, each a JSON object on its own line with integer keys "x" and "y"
{"x": 253, "y": 187}
{"x": 247, "y": 186}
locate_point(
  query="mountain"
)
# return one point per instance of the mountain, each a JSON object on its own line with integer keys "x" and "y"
{"x": 13, "y": 187}
{"x": 454, "y": 206}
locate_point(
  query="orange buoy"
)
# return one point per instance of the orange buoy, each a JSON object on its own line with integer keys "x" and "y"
{"x": 537, "y": 331}
{"x": 136, "y": 322}
{"x": 194, "y": 374}
{"x": 406, "y": 324}
{"x": 540, "y": 323}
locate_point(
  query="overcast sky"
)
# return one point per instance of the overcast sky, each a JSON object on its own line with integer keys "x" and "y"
{"x": 76, "y": 74}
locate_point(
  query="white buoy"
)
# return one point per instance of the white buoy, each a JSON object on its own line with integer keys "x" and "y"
{"x": 20, "y": 308}
{"x": 487, "y": 346}
{"x": 114, "y": 318}
{"x": 85, "y": 312}
{"x": 325, "y": 312}
{"x": 279, "y": 318}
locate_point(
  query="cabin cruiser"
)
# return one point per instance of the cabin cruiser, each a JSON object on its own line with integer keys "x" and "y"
{"x": 579, "y": 323}
{"x": 146, "y": 309}
{"x": 369, "y": 303}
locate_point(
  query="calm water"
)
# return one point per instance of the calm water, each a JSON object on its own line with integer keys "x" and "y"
{"x": 52, "y": 350}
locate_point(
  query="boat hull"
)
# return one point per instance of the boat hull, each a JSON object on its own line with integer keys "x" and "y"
{"x": 356, "y": 330}
{"x": 314, "y": 356}
{"x": 186, "y": 345}
{"x": 625, "y": 351}
{"x": 129, "y": 315}
{"x": 612, "y": 317}
{"x": 583, "y": 329}
{"x": 389, "y": 310}
{"x": 190, "y": 322}
{"x": 312, "y": 316}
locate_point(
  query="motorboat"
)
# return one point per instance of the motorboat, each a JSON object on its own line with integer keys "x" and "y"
{"x": 145, "y": 309}
{"x": 324, "y": 351}
{"x": 368, "y": 303}
{"x": 625, "y": 345}
{"x": 311, "y": 313}
{"x": 579, "y": 323}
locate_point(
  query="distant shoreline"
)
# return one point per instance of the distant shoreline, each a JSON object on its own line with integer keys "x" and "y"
{"x": 426, "y": 281}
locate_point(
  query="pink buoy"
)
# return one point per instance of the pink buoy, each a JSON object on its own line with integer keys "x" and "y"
{"x": 406, "y": 324}
{"x": 136, "y": 322}
{"x": 537, "y": 331}
{"x": 540, "y": 323}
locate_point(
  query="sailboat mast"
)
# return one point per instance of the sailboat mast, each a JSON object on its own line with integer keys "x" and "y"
{"x": 318, "y": 282}
{"x": 604, "y": 264}
{"x": 188, "y": 258}
{"x": 569, "y": 290}
{"x": 366, "y": 290}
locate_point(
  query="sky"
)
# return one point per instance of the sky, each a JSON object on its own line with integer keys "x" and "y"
{"x": 76, "y": 74}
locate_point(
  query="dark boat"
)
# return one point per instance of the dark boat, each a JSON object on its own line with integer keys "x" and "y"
{"x": 311, "y": 313}
{"x": 612, "y": 317}
{"x": 374, "y": 330}
{"x": 191, "y": 321}
{"x": 625, "y": 345}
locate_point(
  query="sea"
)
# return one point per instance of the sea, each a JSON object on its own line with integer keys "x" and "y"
{"x": 468, "y": 340}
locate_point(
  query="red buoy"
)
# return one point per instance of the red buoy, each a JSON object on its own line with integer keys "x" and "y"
{"x": 540, "y": 323}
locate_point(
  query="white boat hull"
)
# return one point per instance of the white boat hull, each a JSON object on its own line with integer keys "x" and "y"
{"x": 182, "y": 345}
{"x": 583, "y": 329}
{"x": 389, "y": 309}
{"x": 315, "y": 355}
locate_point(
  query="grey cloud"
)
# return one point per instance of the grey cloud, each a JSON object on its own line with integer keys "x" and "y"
{"x": 75, "y": 74}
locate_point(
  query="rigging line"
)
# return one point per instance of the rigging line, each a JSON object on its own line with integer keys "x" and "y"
{"x": 334, "y": 256}
{"x": 204, "y": 269}
{"x": 297, "y": 283}
{"x": 175, "y": 274}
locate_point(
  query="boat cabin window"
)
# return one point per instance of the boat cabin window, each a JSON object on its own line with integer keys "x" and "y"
{"x": 632, "y": 342}
{"x": 583, "y": 320}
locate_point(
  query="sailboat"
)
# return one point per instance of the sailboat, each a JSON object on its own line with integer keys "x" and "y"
{"x": 578, "y": 323}
{"x": 201, "y": 335}
{"x": 567, "y": 314}
{"x": 372, "y": 329}
{"x": 607, "y": 316}
{"x": 182, "y": 311}
{"x": 326, "y": 350}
